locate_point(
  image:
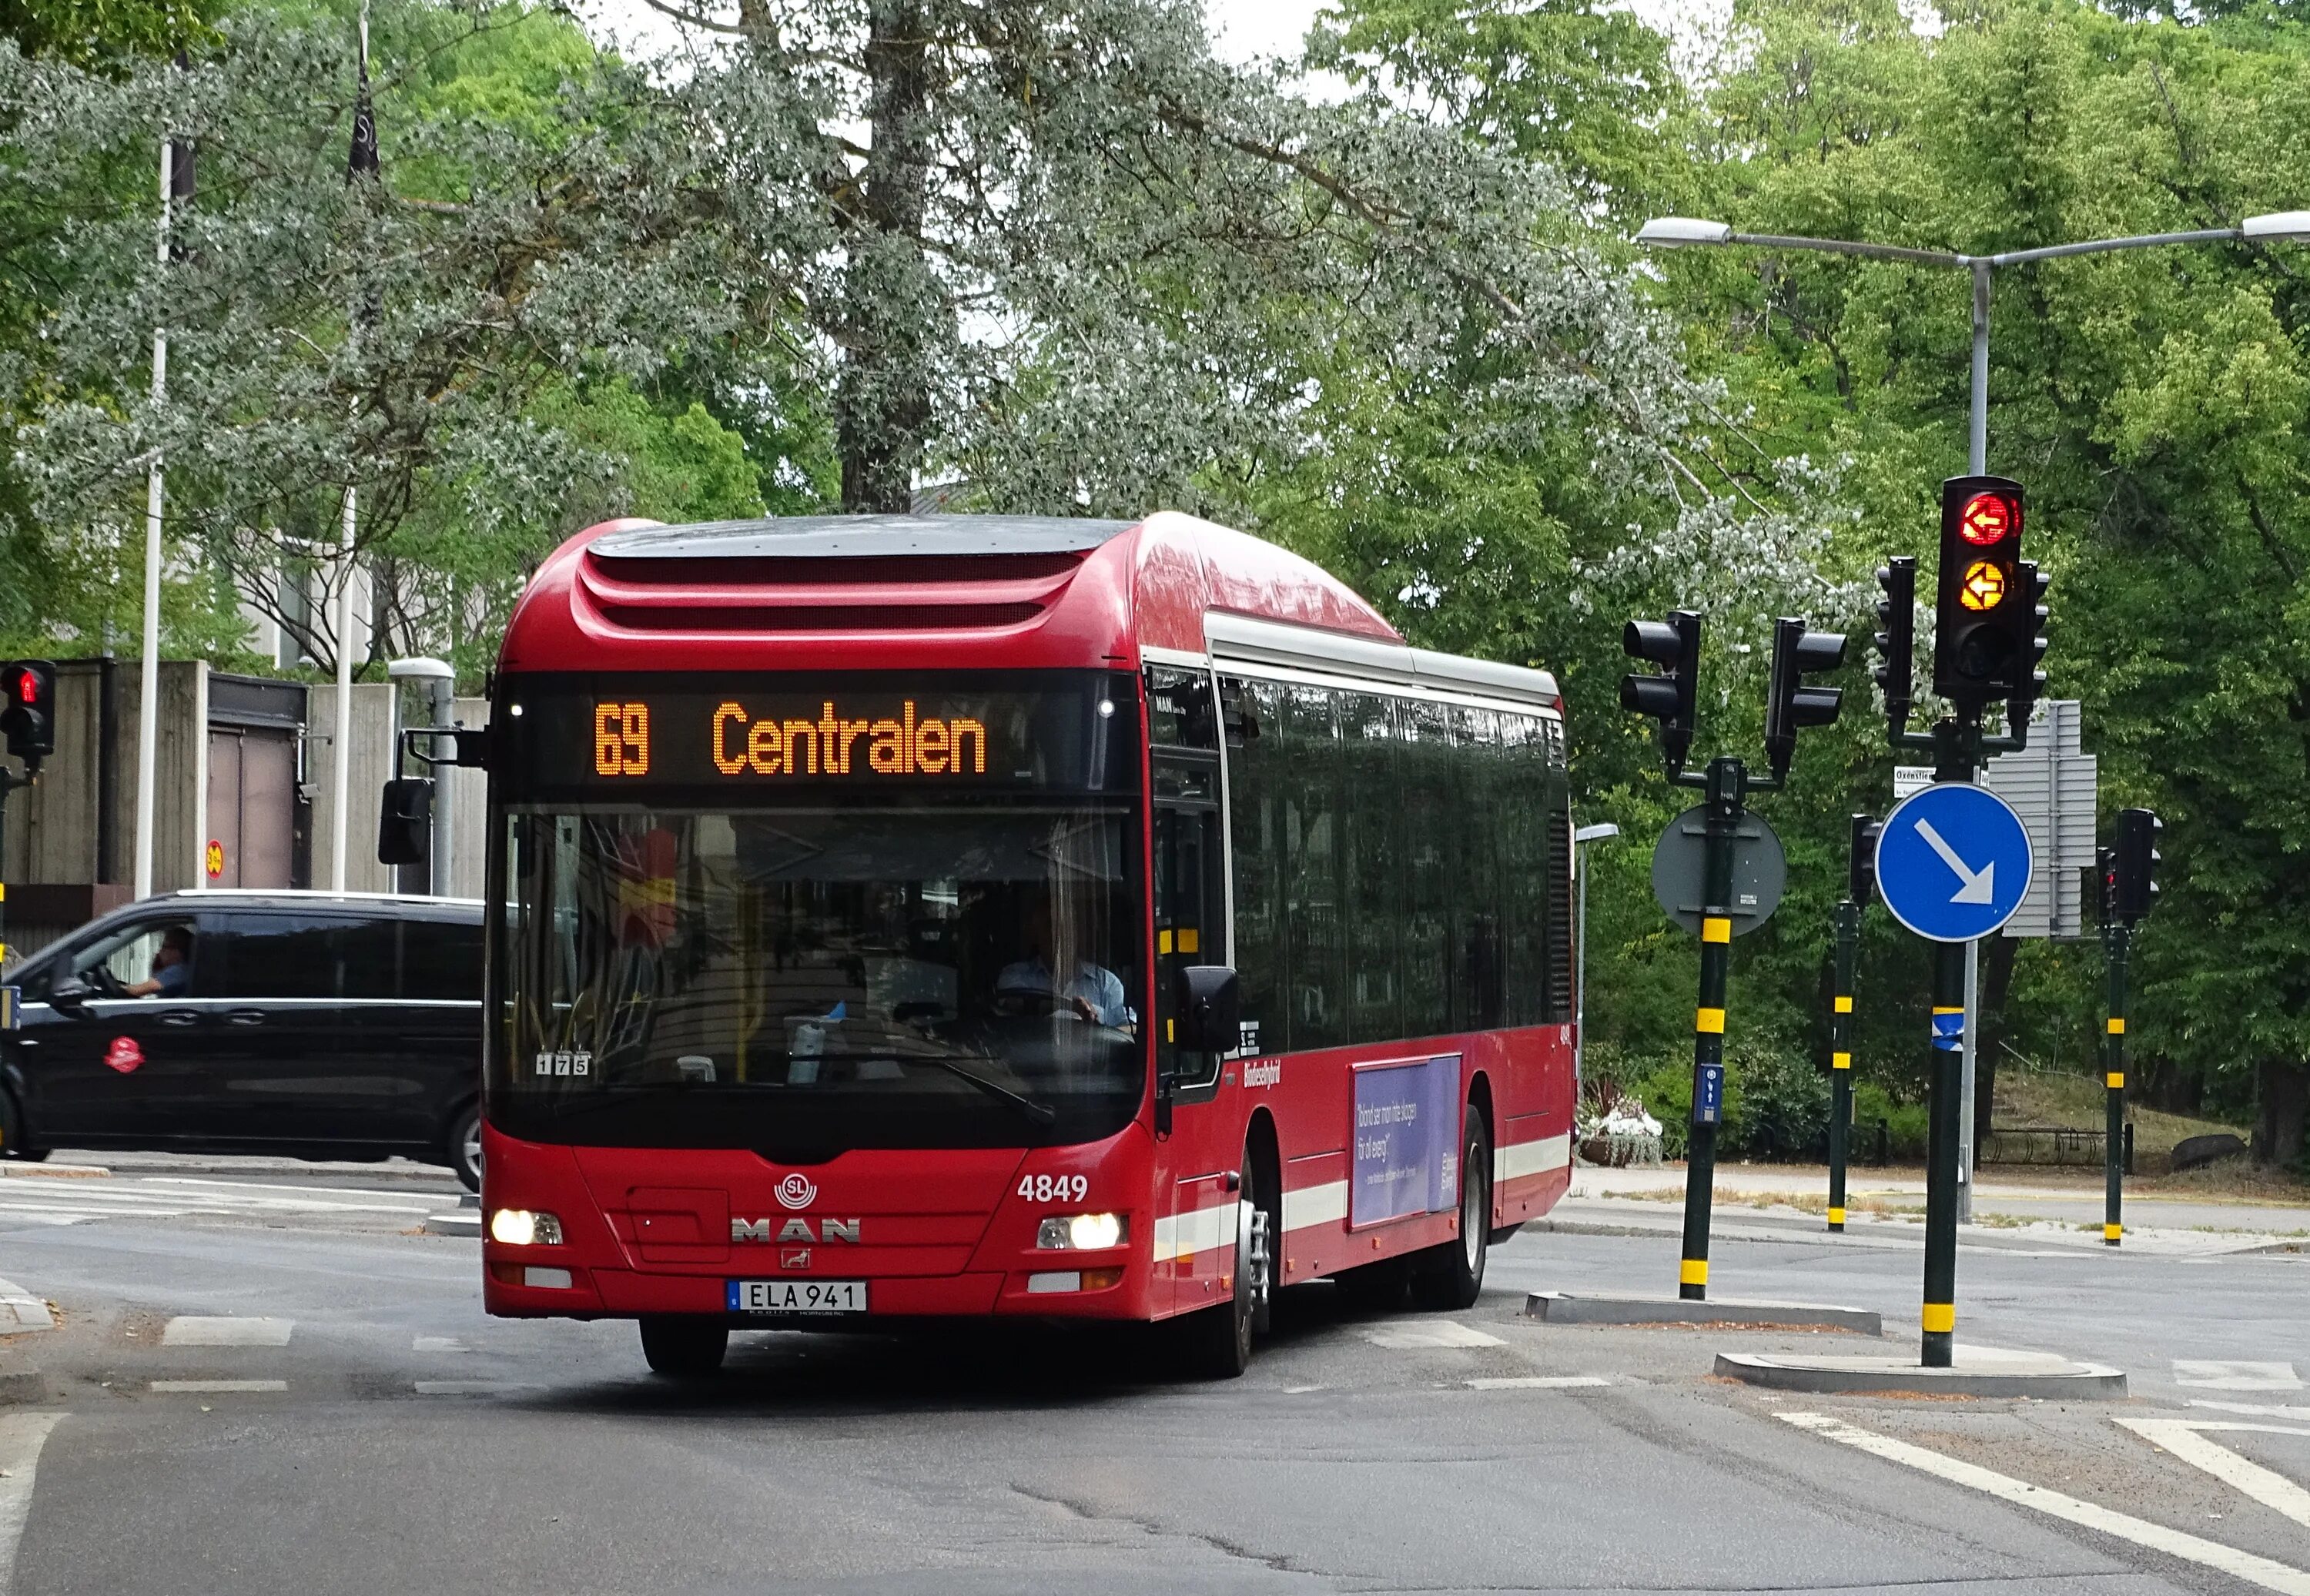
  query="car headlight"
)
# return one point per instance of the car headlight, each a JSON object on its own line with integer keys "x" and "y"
{"x": 520, "y": 1228}
{"x": 1080, "y": 1233}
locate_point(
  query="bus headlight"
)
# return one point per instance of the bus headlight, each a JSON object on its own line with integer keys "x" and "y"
{"x": 1080, "y": 1233}
{"x": 519, "y": 1227}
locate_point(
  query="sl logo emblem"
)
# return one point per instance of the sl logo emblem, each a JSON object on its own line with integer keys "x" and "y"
{"x": 124, "y": 1054}
{"x": 796, "y": 1192}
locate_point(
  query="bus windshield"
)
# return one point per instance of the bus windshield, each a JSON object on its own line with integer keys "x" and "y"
{"x": 801, "y": 980}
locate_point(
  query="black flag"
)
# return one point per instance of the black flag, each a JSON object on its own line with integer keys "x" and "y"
{"x": 362, "y": 161}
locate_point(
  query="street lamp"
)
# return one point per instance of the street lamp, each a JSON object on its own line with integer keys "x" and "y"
{"x": 1580, "y": 841}
{"x": 1673, "y": 232}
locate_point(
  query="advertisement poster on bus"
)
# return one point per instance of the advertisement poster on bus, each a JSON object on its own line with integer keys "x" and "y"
{"x": 1407, "y": 1140}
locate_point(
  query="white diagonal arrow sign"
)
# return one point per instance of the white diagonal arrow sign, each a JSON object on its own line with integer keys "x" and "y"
{"x": 1979, "y": 886}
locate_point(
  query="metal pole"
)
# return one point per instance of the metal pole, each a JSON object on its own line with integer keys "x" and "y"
{"x": 148, "y": 718}
{"x": 1727, "y": 790}
{"x": 1840, "y": 1057}
{"x": 1939, "y": 1316}
{"x": 443, "y": 692}
{"x": 1978, "y": 441}
{"x": 341, "y": 750}
{"x": 2115, "y": 942}
{"x": 1580, "y": 989}
{"x": 1965, "y": 1084}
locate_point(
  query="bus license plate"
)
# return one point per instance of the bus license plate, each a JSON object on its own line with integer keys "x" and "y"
{"x": 797, "y": 1296}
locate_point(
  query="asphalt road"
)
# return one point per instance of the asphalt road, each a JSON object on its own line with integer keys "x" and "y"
{"x": 333, "y": 1413}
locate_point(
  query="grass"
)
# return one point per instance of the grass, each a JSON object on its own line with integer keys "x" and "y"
{"x": 2043, "y": 1097}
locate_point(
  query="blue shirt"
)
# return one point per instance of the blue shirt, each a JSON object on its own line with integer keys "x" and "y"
{"x": 174, "y": 979}
{"x": 1096, "y": 985}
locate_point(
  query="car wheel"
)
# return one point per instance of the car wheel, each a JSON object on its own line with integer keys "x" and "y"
{"x": 464, "y": 1146}
{"x": 683, "y": 1346}
{"x": 12, "y": 1127}
{"x": 1450, "y": 1276}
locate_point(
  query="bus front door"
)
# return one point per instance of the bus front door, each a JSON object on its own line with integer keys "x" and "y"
{"x": 1196, "y": 1164}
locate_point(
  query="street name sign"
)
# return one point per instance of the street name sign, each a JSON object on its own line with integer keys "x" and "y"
{"x": 1953, "y": 862}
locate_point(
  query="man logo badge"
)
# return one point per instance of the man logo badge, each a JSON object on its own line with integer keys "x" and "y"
{"x": 793, "y": 1230}
{"x": 796, "y": 1192}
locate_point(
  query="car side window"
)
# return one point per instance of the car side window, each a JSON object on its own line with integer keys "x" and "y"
{"x": 162, "y": 957}
{"x": 441, "y": 960}
{"x": 284, "y": 955}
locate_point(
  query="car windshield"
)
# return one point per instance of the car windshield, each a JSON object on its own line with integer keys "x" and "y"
{"x": 829, "y": 977}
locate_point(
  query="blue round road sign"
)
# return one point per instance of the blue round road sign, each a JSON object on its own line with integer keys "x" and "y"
{"x": 1953, "y": 862}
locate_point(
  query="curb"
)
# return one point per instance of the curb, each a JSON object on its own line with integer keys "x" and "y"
{"x": 1564, "y": 1307}
{"x": 20, "y": 1382}
{"x": 20, "y": 1311}
{"x": 468, "y": 1223}
{"x": 2047, "y": 1379}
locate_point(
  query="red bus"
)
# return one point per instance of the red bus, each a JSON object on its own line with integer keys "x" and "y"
{"x": 991, "y": 915}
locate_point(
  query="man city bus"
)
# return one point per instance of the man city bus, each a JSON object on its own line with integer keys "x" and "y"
{"x": 896, "y": 917}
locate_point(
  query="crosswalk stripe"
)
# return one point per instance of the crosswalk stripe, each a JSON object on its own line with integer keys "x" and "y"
{"x": 216, "y": 1387}
{"x": 2181, "y": 1438}
{"x": 1539, "y": 1383}
{"x": 459, "y": 1388}
{"x": 2212, "y": 1374}
{"x": 1436, "y": 1333}
{"x": 195, "y": 1330}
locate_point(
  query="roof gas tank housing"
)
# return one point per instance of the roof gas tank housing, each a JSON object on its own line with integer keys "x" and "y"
{"x": 832, "y": 575}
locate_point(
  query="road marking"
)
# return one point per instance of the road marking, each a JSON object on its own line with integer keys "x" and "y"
{"x": 1434, "y": 1332}
{"x": 1539, "y": 1383}
{"x": 2258, "y": 1410}
{"x": 439, "y": 1344}
{"x": 21, "y": 1436}
{"x": 2220, "y": 1375}
{"x": 192, "y": 1330}
{"x": 222, "y": 1387}
{"x": 1301, "y": 1391}
{"x": 2174, "y": 1543}
{"x": 2181, "y": 1438}
{"x": 471, "y": 1388}
{"x": 319, "y": 1197}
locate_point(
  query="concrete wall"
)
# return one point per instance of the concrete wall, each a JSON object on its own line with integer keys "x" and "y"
{"x": 52, "y": 826}
{"x": 468, "y": 791}
{"x": 372, "y": 766}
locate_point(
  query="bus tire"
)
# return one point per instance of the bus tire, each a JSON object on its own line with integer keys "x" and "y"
{"x": 684, "y": 1346}
{"x": 1448, "y": 1276}
{"x": 1215, "y": 1343}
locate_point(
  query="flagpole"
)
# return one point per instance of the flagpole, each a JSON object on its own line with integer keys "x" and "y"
{"x": 148, "y": 712}
{"x": 363, "y": 158}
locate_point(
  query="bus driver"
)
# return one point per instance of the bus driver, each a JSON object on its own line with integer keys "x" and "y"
{"x": 1091, "y": 991}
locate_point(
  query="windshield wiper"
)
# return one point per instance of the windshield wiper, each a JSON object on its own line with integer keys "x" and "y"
{"x": 1042, "y": 1114}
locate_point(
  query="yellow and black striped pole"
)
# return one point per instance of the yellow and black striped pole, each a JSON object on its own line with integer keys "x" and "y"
{"x": 1939, "y": 1316}
{"x": 1840, "y": 1058}
{"x": 2115, "y": 939}
{"x": 1727, "y": 789}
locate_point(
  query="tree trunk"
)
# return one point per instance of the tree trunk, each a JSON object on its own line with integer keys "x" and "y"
{"x": 1996, "y": 982}
{"x": 2278, "y": 1123}
{"x": 895, "y": 304}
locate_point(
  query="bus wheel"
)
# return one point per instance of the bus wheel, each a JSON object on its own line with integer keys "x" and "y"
{"x": 1215, "y": 1343}
{"x": 684, "y": 1346}
{"x": 1449, "y": 1275}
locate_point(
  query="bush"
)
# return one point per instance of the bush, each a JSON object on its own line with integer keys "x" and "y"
{"x": 1784, "y": 1103}
{"x": 1905, "y": 1124}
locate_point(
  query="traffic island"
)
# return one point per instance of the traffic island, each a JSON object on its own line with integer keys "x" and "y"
{"x": 465, "y": 1222}
{"x": 1974, "y": 1372}
{"x": 1584, "y": 1307}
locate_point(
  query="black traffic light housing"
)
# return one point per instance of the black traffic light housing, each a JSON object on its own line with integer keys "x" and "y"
{"x": 2133, "y": 885}
{"x": 2028, "y": 641}
{"x": 1984, "y": 615}
{"x": 1896, "y": 636}
{"x": 1674, "y": 645}
{"x": 28, "y": 709}
{"x": 1790, "y": 706}
{"x": 1860, "y": 863}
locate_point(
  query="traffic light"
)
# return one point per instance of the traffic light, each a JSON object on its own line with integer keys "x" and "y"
{"x": 1983, "y": 615}
{"x": 28, "y": 709}
{"x": 1674, "y": 645}
{"x": 1790, "y": 706}
{"x": 2134, "y": 875}
{"x": 2028, "y": 640}
{"x": 1860, "y": 866}
{"x": 1897, "y": 638}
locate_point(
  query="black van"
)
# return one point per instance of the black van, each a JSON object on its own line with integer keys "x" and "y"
{"x": 317, "y": 1025}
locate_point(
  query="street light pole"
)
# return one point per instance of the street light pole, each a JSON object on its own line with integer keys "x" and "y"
{"x": 1580, "y": 841}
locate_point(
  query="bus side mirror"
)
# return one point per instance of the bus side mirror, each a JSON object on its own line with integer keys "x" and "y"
{"x": 405, "y": 821}
{"x": 1210, "y": 1008}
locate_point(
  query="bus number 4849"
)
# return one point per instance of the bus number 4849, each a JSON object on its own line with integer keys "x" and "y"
{"x": 1054, "y": 1188}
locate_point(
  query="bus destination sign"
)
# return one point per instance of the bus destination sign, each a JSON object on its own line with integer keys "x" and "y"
{"x": 606, "y": 735}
